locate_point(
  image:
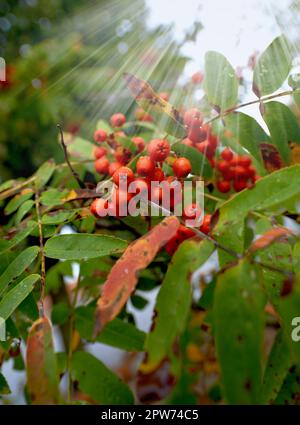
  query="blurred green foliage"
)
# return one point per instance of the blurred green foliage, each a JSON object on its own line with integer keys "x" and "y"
{"x": 65, "y": 61}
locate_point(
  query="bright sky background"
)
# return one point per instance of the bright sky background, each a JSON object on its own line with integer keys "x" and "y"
{"x": 235, "y": 28}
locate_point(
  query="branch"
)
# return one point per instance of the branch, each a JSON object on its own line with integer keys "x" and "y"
{"x": 253, "y": 102}
{"x": 74, "y": 173}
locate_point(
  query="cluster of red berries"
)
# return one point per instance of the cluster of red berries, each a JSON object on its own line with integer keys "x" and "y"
{"x": 235, "y": 172}
{"x": 199, "y": 135}
{"x": 148, "y": 169}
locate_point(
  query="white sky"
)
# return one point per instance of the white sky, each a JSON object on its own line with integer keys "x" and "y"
{"x": 235, "y": 28}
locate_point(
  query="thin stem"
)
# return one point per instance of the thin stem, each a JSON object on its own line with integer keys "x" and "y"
{"x": 252, "y": 102}
{"x": 42, "y": 256}
{"x": 71, "y": 329}
{"x": 74, "y": 173}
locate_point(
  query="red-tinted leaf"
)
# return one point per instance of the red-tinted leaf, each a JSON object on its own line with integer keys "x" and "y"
{"x": 42, "y": 378}
{"x": 269, "y": 237}
{"x": 271, "y": 157}
{"x": 124, "y": 275}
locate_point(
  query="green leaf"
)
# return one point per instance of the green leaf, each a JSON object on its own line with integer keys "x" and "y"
{"x": 220, "y": 81}
{"x": 278, "y": 255}
{"x": 98, "y": 382}
{"x": 296, "y": 257}
{"x": 23, "y": 210}
{"x": 4, "y": 388}
{"x": 239, "y": 326}
{"x": 44, "y": 173}
{"x": 279, "y": 363}
{"x": 82, "y": 246}
{"x": 127, "y": 143}
{"x": 29, "y": 308}
{"x": 174, "y": 299}
{"x": 18, "y": 266}
{"x": 200, "y": 164}
{"x": 247, "y": 132}
{"x": 58, "y": 217}
{"x": 290, "y": 389}
{"x": 103, "y": 125}
{"x": 289, "y": 310}
{"x": 271, "y": 192}
{"x": 283, "y": 127}
{"x": 53, "y": 197}
{"x": 60, "y": 313}
{"x": 21, "y": 234}
{"x": 81, "y": 149}
{"x": 18, "y": 200}
{"x": 16, "y": 295}
{"x": 7, "y": 185}
{"x": 272, "y": 67}
{"x": 116, "y": 333}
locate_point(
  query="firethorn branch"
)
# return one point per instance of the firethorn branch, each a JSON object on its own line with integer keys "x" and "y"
{"x": 74, "y": 173}
{"x": 42, "y": 256}
{"x": 253, "y": 102}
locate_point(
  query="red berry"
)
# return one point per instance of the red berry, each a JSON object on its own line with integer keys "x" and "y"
{"x": 100, "y": 136}
{"x": 113, "y": 166}
{"x": 227, "y": 154}
{"x": 223, "y": 186}
{"x": 182, "y": 167}
{"x": 158, "y": 149}
{"x": 145, "y": 166}
{"x": 187, "y": 142}
{"x": 205, "y": 226}
{"x": 118, "y": 204}
{"x": 117, "y": 120}
{"x": 244, "y": 161}
{"x": 123, "y": 174}
{"x": 123, "y": 155}
{"x": 99, "y": 151}
{"x": 240, "y": 173}
{"x": 158, "y": 175}
{"x": 142, "y": 115}
{"x": 191, "y": 212}
{"x": 139, "y": 185}
{"x": 139, "y": 143}
{"x": 171, "y": 246}
{"x": 164, "y": 96}
{"x": 239, "y": 185}
{"x": 192, "y": 117}
{"x": 197, "y": 134}
{"x": 223, "y": 166}
{"x": 197, "y": 77}
{"x": 184, "y": 232}
{"x": 206, "y": 149}
{"x": 99, "y": 207}
{"x": 101, "y": 165}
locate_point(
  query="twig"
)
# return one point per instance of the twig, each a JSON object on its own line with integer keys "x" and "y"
{"x": 42, "y": 256}
{"x": 74, "y": 173}
{"x": 252, "y": 102}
